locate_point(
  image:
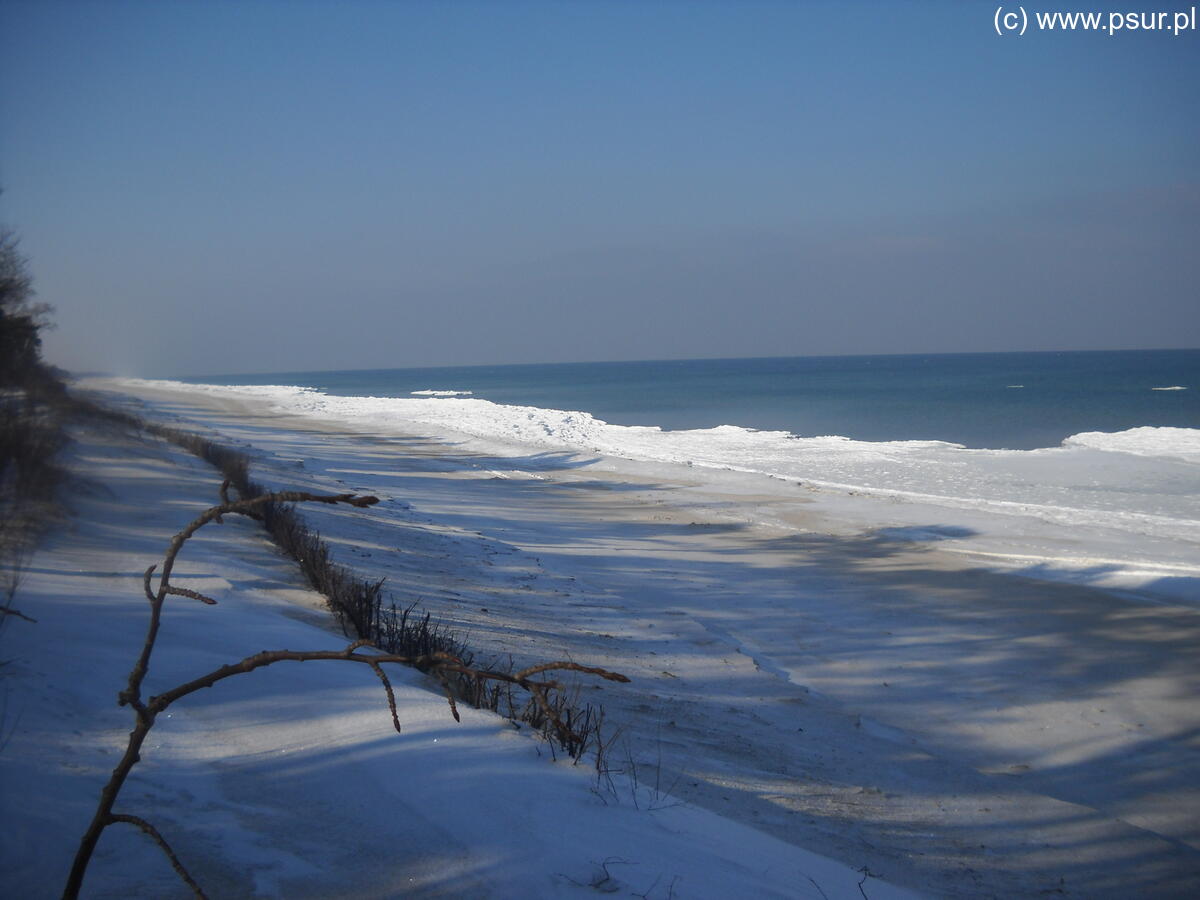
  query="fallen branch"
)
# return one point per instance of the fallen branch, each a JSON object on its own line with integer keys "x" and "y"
{"x": 139, "y": 822}
{"x": 9, "y": 611}
{"x": 358, "y": 604}
{"x": 439, "y": 664}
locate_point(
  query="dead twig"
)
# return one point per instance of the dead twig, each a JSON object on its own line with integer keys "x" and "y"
{"x": 439, "y": 664}
{"x": 153, "y": 832}
{"x": 194, "y": 595}
{"x": 820, "y": 890}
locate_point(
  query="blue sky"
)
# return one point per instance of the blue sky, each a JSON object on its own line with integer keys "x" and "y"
{"x": 227, "y": 187}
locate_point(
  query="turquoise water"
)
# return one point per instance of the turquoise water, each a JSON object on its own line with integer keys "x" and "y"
{"x": 1018, "y": 401}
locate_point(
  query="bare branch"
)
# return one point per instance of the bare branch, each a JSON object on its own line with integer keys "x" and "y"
{"x": 164, "y": 582}
{"x": 479, "y": 676}
{"x": 391, "y": 697}
{"x": 570, "y": 666}
{"x": 149, "y": 829}
{"x": 440, "y": 664}
{"x": 194, "y": 595}
{"x": 247, "y": 506}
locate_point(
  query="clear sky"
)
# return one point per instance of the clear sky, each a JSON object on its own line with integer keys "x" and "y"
{"x": 265, "y": 186}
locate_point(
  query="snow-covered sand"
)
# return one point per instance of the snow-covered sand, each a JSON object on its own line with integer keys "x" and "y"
{"x": 1115, "y": 510}
{"x": 840, "y": 672}
{"x": 290, "y": 782}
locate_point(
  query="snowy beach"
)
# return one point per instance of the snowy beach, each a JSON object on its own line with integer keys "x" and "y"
{"x": 291, "y": 782}
{"x": 775, "y": 425}
{"x": 814, "y": 664}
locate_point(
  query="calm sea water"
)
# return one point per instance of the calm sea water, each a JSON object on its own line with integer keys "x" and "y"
{"x": 1017, "y": 401}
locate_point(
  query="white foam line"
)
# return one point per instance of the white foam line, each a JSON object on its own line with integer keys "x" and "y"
{"x": 1114, "y": 492}
{"x": 1082, "y": 562}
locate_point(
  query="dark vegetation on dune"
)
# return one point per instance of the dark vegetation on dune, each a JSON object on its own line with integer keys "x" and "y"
{"x": 31, "y": 424}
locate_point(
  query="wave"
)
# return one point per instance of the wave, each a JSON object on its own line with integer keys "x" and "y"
{"x": 1174, "y": 387}
{"x": 441, "y": 393}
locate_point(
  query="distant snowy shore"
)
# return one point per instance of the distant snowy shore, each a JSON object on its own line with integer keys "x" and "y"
{"x": 1114, "y": 509}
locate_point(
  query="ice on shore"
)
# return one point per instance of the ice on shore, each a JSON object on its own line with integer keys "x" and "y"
{"x": 1126, "y": 503}
{"x": 1167, "y": 443}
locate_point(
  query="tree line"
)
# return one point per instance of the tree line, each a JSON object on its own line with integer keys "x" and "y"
{"x": 21, "y": 319}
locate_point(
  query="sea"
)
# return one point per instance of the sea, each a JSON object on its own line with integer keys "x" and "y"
{"x": 1015, "y": 401}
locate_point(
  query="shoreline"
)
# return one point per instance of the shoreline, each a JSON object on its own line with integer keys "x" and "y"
{"x": 837, "y": 689}
{"x": 1142, "y": 554}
